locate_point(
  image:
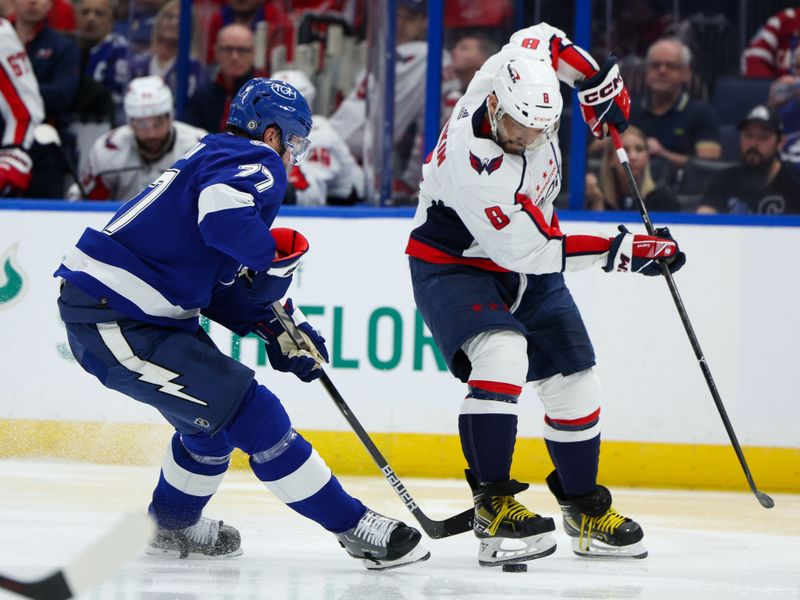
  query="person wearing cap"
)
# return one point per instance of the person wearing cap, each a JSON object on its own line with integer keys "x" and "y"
{"x": 129, "y": 158}
{"x": 762, "y": 183}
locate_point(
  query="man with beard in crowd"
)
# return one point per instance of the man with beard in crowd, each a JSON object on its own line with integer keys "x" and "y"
{"x": 762, "y": 183}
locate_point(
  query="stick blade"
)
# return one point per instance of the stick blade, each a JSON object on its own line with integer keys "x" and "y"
{"x": 436, "y": 530}
{"x": 117, "y": 546}
{"x": 764, "y": 500}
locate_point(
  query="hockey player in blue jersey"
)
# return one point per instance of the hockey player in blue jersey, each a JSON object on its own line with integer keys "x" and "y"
{"x": 198, "y": 241}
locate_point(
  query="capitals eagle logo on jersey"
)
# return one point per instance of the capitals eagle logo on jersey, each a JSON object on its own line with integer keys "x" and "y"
{"x": 490, "y": 165}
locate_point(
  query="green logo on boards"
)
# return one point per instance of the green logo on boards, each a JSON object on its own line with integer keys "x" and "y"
{"x": 12, "y": 279}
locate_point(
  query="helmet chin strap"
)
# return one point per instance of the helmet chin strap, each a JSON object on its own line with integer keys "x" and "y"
{"x": 494, "y": 119}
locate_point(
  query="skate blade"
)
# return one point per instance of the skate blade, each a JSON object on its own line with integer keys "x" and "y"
{"x": 598, "y": 549}
{"x": 170, "y": 553}
{"x": 492, "y": 553}
{"x": 418, "y": 554}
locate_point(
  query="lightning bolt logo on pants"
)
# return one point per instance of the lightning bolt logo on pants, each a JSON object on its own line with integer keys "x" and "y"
{"x": 149, "y": 372}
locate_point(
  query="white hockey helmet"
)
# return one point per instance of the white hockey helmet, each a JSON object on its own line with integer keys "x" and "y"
{"x": 528, "y": 91}
{"x": 300, "y": 81}
{"x": 148, "y": 97}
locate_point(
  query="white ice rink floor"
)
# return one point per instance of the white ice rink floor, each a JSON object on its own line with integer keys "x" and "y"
{"x": 703, "y": 545}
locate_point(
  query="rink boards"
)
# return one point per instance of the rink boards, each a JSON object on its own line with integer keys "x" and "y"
{"x": 660, "y": 425}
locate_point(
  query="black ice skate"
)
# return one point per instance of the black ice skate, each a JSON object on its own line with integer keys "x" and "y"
{"x": 383, "y": 543}
{"x": 596, "y": 529}
{"x": 508, "y": 532}
{"x": 205, "y": 539}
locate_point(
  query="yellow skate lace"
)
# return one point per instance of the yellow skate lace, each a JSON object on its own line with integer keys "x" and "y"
{"x": 507, "y": 507}
{"x": 606, "y": 523}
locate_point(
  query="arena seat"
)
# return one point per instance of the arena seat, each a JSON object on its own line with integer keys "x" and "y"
{"x": 734, "y": 96}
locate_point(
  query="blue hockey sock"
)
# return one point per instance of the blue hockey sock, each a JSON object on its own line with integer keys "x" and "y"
{"x": 188, "y": 480}
{"x": 298, "y": 476}
{"x": 576, "y": 464}
{"x": 488, "y": 429}
{"x": 287, "y": 464}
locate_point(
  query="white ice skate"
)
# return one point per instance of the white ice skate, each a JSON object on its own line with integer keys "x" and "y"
{"x": 383, "y": 543}
{"x": 207, "y": 538}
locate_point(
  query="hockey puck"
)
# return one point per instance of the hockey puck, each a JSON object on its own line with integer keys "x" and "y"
{"x": 515, "y": 568}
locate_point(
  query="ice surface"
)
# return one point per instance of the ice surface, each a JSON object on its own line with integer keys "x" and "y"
{"x": 703, "y": 545}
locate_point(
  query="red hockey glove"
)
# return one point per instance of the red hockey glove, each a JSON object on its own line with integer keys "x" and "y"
{"x": 604, "y": 100}
{"x": 15, "y": 171}
{"x": 290, "y": 247}
{"x": 642, "y": 253}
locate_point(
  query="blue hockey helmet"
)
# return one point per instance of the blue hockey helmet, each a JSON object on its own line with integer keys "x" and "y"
{"x": 262, "y": 102}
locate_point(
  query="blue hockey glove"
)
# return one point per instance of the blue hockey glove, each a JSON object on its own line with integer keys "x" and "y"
{"x": 642, "y": 253}
{"x": 283, "y": 353}
{"x": 604, "y": 99}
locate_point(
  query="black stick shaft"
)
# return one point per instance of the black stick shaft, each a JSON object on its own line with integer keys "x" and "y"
{"x": 459, "y": 523}
{"x": 763, "y": 499}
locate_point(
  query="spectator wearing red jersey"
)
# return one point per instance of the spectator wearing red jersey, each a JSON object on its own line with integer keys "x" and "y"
{"x": 770, "y": 51}
{"x": 21, "y": 109}
{"x": 56, "y": 62}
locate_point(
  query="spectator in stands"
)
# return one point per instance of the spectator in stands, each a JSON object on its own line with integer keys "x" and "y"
{"x": 160, "y": 58}
{"x": 135, "y": 20}
{"x": 250, "y": 13}
{"x": 208, "y": 107}
{"x": 770, "y": 51}
{"x": 409, "y": 102}
{"x": 468, "y": 55}
{"x": 761, "y": 183}
{"x": 677, "y": 126}
{"x": 127, "y": 159}
{"x": 60, "y": 17}
{"x": 21, "y": 110}
{"x": 104, "y": 62}
{"x": 55, "y": 62}
{"x": 611, "y": 192}
{"x": 784, "y": 95}
{"x": 330, "y": 174}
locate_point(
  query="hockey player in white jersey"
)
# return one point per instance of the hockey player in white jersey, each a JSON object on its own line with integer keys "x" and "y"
{"x": 330, "y": 174}
{"x": 487, "y": 256}
{"x": 127, "y": 159}
{"x": 21, "y": 110}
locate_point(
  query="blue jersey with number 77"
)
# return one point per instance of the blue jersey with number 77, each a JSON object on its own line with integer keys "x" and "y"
{"x": 162, "y": 255}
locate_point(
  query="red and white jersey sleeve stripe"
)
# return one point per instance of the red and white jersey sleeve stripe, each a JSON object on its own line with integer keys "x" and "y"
{"x": 21, "y": 106}
{"x": 770, "y": 51}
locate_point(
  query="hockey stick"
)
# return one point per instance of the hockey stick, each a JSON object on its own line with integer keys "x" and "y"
{"x": 101, "y": 559}
{"x": 45, "y": 135}
{"x": 762, "y": 498}
{"x": 435, "y": 529}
